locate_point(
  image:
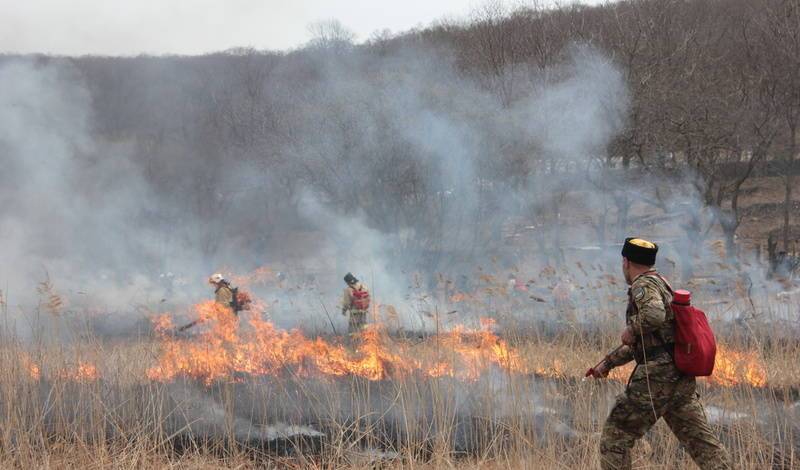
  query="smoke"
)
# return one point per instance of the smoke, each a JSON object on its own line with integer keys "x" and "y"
{"x": 453, "y": 134}
{"x": 76, "y": 208}
{"x": 394, "y": 165}
{"x": 575, "y": 115}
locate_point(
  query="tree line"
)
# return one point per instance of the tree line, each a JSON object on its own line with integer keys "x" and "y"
{"x": 713, "y": 85}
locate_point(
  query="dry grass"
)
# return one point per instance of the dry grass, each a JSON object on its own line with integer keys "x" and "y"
{"x": 122, "y": 420}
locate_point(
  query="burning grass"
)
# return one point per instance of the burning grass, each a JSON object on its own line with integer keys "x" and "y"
{"x": 226, "y": 348}
{"x": 242, "y": 393}
{"x": 255, "y": 347}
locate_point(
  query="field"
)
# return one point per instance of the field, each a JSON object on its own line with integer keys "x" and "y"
{"x": 477, "y": 171}
{"x": 241, "y": 393}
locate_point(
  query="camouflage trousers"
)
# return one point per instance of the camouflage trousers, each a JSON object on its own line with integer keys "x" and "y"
{"x": 670, "y": 396}
{"x": 358, "y": 318}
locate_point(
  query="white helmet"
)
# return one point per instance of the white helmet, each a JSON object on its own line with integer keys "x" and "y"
{"x": 216, "y": 278}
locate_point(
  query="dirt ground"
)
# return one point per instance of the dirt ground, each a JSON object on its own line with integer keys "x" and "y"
{"x": 762, "y": 207}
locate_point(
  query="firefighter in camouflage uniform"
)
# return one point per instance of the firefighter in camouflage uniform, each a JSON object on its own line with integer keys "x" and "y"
{"x": 356, "y": 302}
{"x": 656, "y": 389}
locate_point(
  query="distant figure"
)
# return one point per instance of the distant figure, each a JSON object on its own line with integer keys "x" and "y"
{"x": 562, "y": 293}
{"x": 356, "y": 302}
{"x": 228, "y": 296}
{"x": 516, "y": 286}
{"x": 223, "y": 294}
{"x": 512, "y": 283}
{"x": 656, "y": 388}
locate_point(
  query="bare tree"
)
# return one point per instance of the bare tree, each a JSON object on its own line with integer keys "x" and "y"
{"x": 330, "y": 34}
{"x": 776, "y": 29}
{"x": 714, "y": 85}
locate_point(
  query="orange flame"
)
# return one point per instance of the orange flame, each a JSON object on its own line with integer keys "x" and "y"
{"x": 225, "y": 350}
{"x": 221, "y": 352}
{"x": 83, "y": 372}
{"x": 738, "y": 367}
{"x": 33, "y": 369}
{"x": 162, "y": 324}
{"x": 731, "y": 368}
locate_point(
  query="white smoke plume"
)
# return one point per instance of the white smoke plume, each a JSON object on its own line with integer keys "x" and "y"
{"x": 120, "y": 227}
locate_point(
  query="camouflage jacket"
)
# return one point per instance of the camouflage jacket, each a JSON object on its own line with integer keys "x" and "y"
{"x": 649, "y": 317}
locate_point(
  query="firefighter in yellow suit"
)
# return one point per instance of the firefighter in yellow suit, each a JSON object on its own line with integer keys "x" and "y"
{"x": 223, "y": 294}
{"x": 355, "y": 301}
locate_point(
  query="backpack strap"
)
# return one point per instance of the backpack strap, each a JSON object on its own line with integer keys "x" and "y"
{"x": 669, "y": 347}
{"x": 658, "y": 275}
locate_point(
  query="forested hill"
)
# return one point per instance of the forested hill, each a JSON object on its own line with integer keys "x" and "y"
{"x": 383, "y": 127}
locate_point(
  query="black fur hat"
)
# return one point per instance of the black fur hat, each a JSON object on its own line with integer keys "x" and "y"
{"x": 350, "y": 279}
{"x": 640, "y": 251}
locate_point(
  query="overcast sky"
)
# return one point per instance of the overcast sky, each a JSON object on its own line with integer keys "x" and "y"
{"x": 130, "y": 27}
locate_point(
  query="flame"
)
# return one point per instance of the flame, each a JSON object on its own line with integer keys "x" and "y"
{"x": 224, "y": 351}
{"x": 555, "y": 369}
{"x": 731, "y": 368}
{"x": 162, "y": 324}
{"x": 34, "y": 371}
{"x": 227, "y": 350}
{"x": 738, "y": 367}
{"x": 84, "y": 372}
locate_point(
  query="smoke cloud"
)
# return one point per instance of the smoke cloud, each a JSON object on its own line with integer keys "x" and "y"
{"x": 388, "y": 165}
